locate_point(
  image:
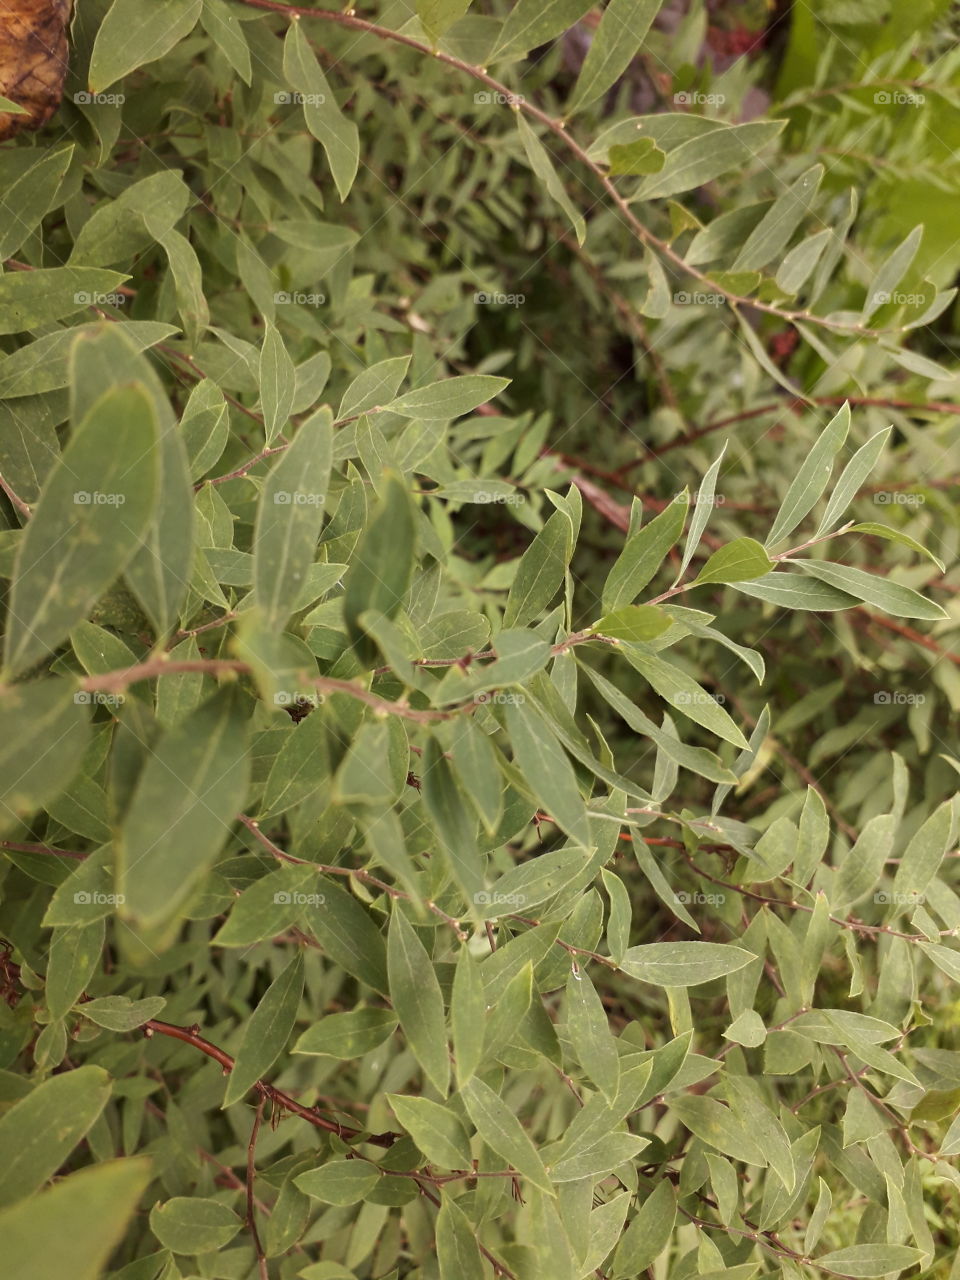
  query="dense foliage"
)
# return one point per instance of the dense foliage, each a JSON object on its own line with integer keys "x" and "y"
{"x": 479, "y": 691}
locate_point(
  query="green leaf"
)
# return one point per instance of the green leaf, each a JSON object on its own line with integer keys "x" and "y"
{"x": 227, "y": 34}
{"x": 636, "y": 159}
{"x": 188, "y": 281}
{"x": 615, "y": 43}
{"x": 276, "y": 382}
{"x": 339, "y": 1182}
{"x": 736, "y": 562}
{"x": 289, "y": 519}
{"x": 891, "y": 597}
{"x": 547, "y": 769}
{"x": 590, "y": 1034}
{"x": 890, "y": 273}
{"x": 869, "y": 1259}
{"x": 451, "y": 398}
{"x": 32, "y": 194}
{"x": 91, "y": 1209}
{"x": 772, "y": 234}
{"x": 74, "y": 956}
{"x": 643, "y": 554}
{"x": 852, "y": 477}
{"x": 540, "y": 160}
{"x": 382, "y": 565}
{"x": 467, "y": 1016}
{"x": 716, "y": 1124}
{"x": 811, "y": 480}
{"x": 683, "y": 964}
{"x": 638, "y": 623}
{"x": 338, "y": 136}
{"x": 32, "y": 717}
{"x": 925, "y": 852}
{"x": 701, "y": 512}
{"x": 437, "y": 16}
{"x": 267, "y": 1030}
{"x": 540, "y": 572}
{"x": 417, "y": 1001}
{"x": 533, "y": 22}
{"x": 193, "y": 1224}
{"x": 458, "y": 1253}
{"x": 120, "y": 1013}
{"x": 798, "y": 265}
{"x": 130, "y": 36}
{"x": 896, "y": 535}
{"x": 478, "y": 772}
{"x": 348, "y": 1035}
{"x": 435, "y": 1129}
{"x": 29, "y": 299}
{"x": 347, "y": 933}
{"x": 39, "y": 1132}
{"x": 702, "y": 159}
{"x": 502, "y": 1131}
{"x": 648, "y": 1233}
{"x": 374, "y": 386}
{"x": 791, "y": 591}
{"x": 685, "y": 695}
{"x": 95, "y": 506}
{"x": 192, "y": 786}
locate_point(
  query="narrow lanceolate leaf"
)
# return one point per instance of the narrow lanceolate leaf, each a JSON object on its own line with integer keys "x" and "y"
{"x": 644, "y": 552}
{"x": 590, "y": 1033}
{"x": 648, "y": 1233}
{"x": 547, "y": 769}
{"x": 468, "y": 1009}
{"x": 451, "y": 398}
{"x": 718, "y": 1126}
{"x": 862, "y": 867}
{"x": 39, "y": 1132}
{"x": 348, "y": 1035}
{"x": 638, "y": 623}
{"x": 500, "y": 1129}
{"x": 925, "y": 852}
{"x": 891, "y": 597}
{"x": 267, "y": 1031}
{"x": 289, "y": 518}
{"x": 852, "y": 477}
{"x": 186, "y": 800}
{"x": 130, "y": 36}
{"x": 91, "y": 1210}
{"x": 338, "y": 136}
{"x": 382, "y": 565}
{"x": 29, "y": 299}
{"x": 534, "y": 22}
{"x": 704, "y": 158}
{"x": 811, "y": 480}
{"x": 897, "y": 535}
{"x": 96, "y": 504}
{"x": 619, "y": 36}
{"x": 869, "y": 1259}
{"x": 738, "y": 561}
{"x": 417, "y": 1000}
{"x": 44, "y": 731}
{"x": 543, "y": 167}
{"x": 435, "y": 1129}
{"x": 701, "y": 512}
{"x": 890, "y": 273}
{"x": 348, "y": 935}
{"x": 540, "y": 572}
{"x": 193, "y": 1224}
{"x": 772, "y": 234}
{"x": 683, "y": 964}
{"x": 683, "y": 694}
{"x": 458, "y": 1254}
{"x": 373, "y": 387}
{"x": 276, "y": 382}
{"x": 436, "y": 16}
